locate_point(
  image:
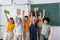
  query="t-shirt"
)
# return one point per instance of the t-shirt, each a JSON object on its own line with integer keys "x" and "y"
{"x": 10, "y": 27}
{"x": 26, "y": 24}
{"x": 18, "y": 30}
{"x": 45, "y": 29}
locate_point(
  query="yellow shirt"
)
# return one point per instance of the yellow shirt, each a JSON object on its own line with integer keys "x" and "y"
{"x": 10, "y": 27}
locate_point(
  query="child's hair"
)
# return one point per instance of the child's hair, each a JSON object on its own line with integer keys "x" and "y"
{"x": 47, "y": 19}
{"x": 33, "y": 13}
{"x": 13, "y": 20}
{"x": 20, "y": 19}
{"x": 34, "y": 19}
{"x": 26, "y": 16}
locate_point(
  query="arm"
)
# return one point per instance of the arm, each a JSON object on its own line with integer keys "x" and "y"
{"x": 23, "y": 16}
{"x": 6, "y": 17}
{"x": 16, "y": 18}
{"x": 41, "y": 17}
{"x": 48, "y": 34}
{"x": 30, "y": 20}
{"x": 18, "y": 13}
{"x": 23, "y": 13}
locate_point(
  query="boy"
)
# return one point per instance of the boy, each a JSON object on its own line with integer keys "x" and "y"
{"x": 27, "y": 20}
{"x": 26, "y": 28}
{"x": 18, "y": 30}
{"x": 45, "y": 29}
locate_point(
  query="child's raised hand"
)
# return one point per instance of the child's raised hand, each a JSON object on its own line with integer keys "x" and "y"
{"x": 6, "y": 12}
{"x": 18, "y": 11}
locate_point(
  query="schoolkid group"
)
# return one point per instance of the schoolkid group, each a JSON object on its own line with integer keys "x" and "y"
{"x": 29, "y": 27}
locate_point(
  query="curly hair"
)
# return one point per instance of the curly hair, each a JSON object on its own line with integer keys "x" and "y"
{"x": 47, "y": 19}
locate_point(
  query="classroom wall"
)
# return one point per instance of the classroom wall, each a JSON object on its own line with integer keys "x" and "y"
{"x": 12, "y": 10}
{"x": 5, "y": 2}
{"x": 0, "y": 13}
{"x": 43, "y": 1}
{"x": 59, "y": 11}
{"x": 55, "y": 33}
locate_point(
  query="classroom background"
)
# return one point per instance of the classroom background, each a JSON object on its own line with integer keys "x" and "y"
{"x": 52, "y": 10}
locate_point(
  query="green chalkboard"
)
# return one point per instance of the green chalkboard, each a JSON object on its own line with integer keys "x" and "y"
{"x": 52, "y": 11}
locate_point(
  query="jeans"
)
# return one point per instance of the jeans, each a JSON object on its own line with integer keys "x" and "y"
{"x": 43, "y": 37}
{"x": 33, "y": 36}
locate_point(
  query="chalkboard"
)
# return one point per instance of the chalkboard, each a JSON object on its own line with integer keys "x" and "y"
{"x": 52, "y": 11}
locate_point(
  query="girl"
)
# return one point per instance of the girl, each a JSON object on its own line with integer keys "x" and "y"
{"x": 39, "y": 25}
{"x": 33, "y": 35}
{"x": 9, "y": 29}
{"x": 45, "y": 32}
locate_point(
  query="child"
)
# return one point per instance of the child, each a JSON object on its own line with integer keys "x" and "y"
{"x": 33, "y": 35}
{"x": 45, "y": 29}
{"x": 18, "y": 30}
{"x": 39, "y": 26}
{"x": 26, "y": 26}
{"x": 9, "y": 30}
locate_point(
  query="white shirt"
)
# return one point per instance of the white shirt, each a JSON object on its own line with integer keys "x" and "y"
{"x": 18, "y": 30}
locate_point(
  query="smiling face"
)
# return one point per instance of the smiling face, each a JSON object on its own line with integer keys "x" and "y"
{"x": 19, "y": 20}
{"x": 33, "y": 22}
{"x": 25, "y": 18}
{"x": 11, "y": 20}
{"x": 45, "y": 22}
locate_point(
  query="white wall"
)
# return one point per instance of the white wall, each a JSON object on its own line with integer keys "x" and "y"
{"x": 20, "y": 1}
{"x": 43, "y": 1}
{"x": 12, "y": 10}
{"x": 5, "y": 2}
{"x": 55, "y": 33}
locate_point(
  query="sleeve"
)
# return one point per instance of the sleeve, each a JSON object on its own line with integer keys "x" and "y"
{"x": 49, "y": 27}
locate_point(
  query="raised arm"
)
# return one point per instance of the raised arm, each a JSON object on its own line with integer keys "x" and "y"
{"x": 18, "y": 12}
{"x": 16, "y": 18}
{"x": 6, "y": 17}
{"x": 23, "y": 13}
{"x": 30, "y": 19}
{"x": 41, "y": 17}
